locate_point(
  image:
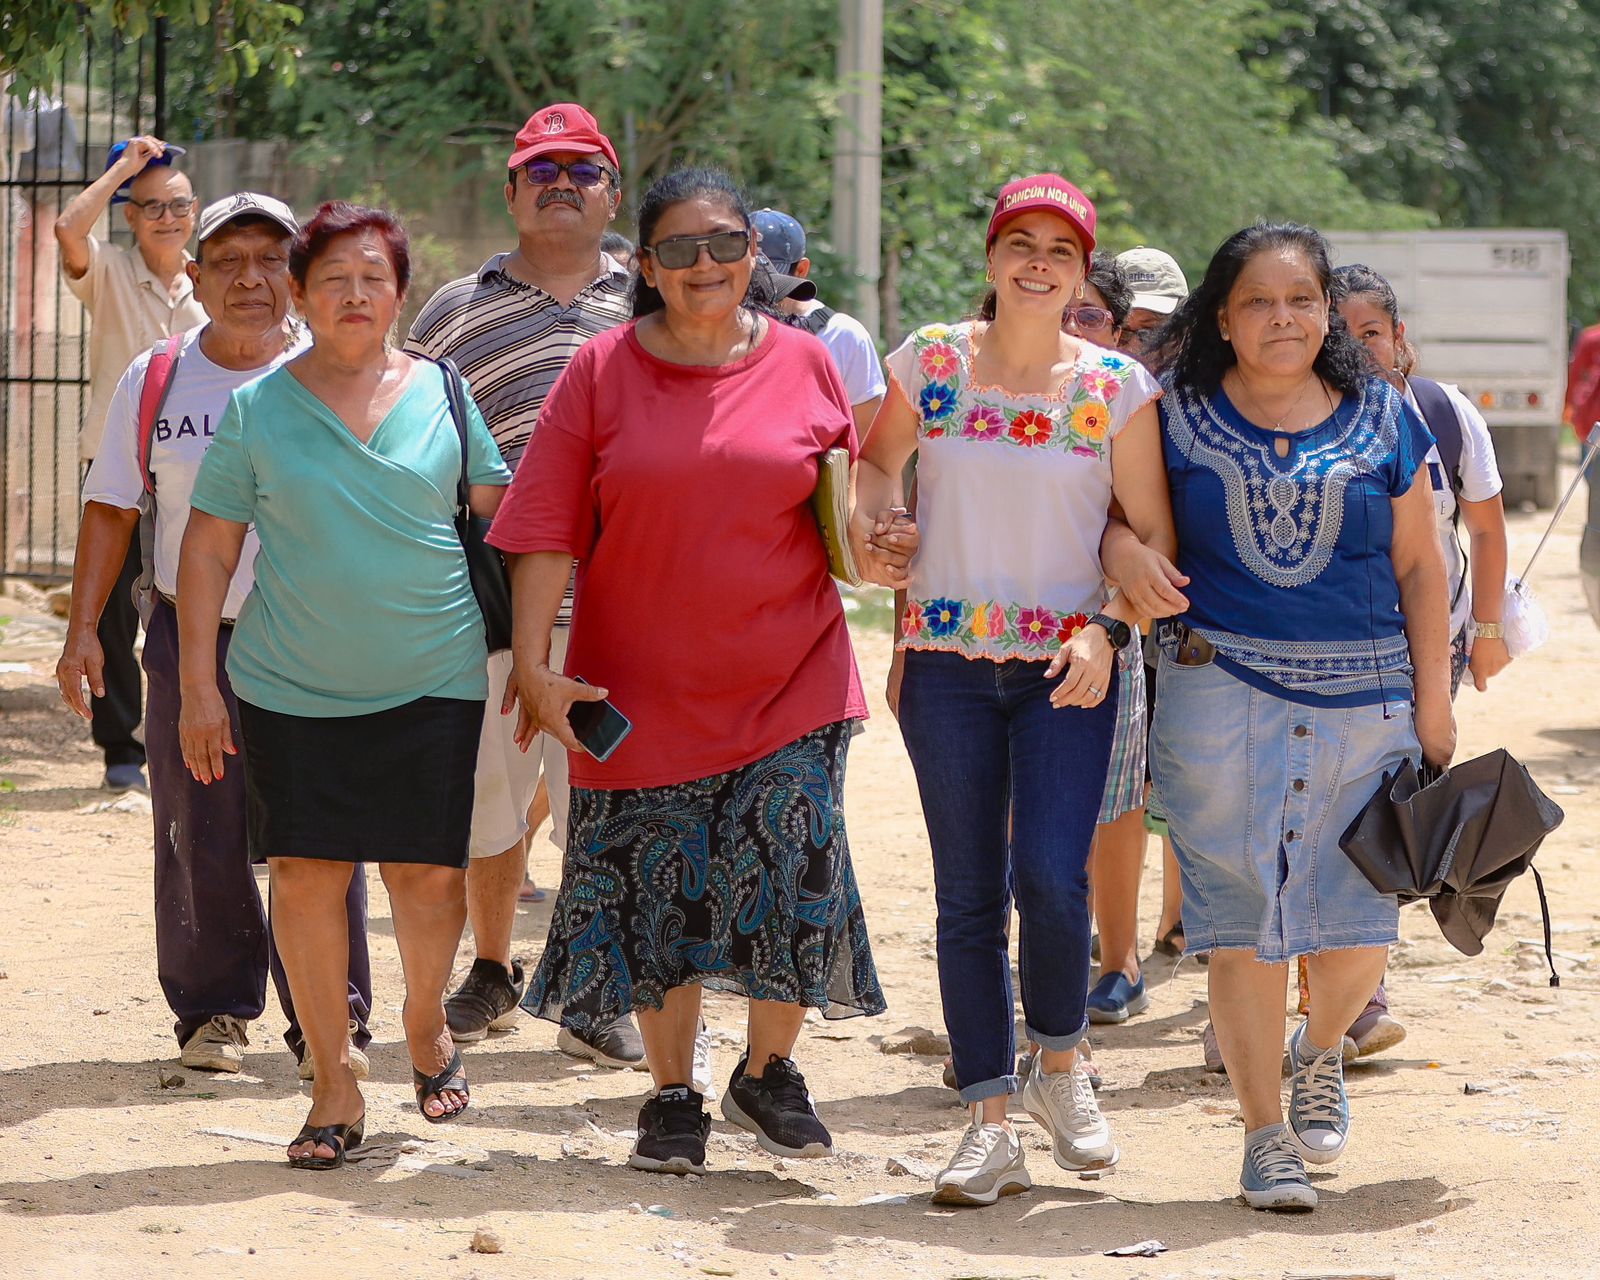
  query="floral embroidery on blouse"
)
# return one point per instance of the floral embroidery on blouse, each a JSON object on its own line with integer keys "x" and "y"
{"x": 974, "y": 628}
{"x": 1077, "y": 421}
{"x": 1014, "y": 488}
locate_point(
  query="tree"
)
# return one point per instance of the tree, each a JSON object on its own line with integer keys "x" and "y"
{"x": 39, "y": 38}
{"x": 1482, "y": 111}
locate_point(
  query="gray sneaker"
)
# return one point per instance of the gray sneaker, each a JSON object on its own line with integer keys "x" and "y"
{"x": 988, "y": 1164}
{"x": 217, "y": 1046}
{"x": 360, "y": 1064}
{"x": 617, "y": 1044}
{"x": 1319, "y": 1110}
{"x": 1064, "y": 1105}
{"x": 1274, "y": 1175}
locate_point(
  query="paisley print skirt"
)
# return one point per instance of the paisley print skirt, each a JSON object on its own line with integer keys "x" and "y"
{"x": 741, "y": 882}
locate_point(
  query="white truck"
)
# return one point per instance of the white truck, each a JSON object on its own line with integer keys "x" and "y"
{"x": 1487, "y": 310}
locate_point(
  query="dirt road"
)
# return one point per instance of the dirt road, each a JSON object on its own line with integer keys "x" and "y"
{"x": 115, "y": 1162}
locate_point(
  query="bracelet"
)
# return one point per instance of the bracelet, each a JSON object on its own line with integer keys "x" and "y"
{"x": 1489, "y": 630}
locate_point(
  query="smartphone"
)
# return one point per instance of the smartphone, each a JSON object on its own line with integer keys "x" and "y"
{"x": 598, "y": 726}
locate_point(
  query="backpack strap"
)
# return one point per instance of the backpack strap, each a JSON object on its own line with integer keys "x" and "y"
{"x": 814, "y": 322}
{"x": 1441, "y": 418}
{"x": 158, "y": 377}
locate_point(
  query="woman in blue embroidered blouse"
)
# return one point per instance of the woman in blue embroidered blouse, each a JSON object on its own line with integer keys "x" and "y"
{"x": 1314, "y": 657}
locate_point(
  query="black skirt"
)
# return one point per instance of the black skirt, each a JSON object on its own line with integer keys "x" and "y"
{"x": 392, "y": 786}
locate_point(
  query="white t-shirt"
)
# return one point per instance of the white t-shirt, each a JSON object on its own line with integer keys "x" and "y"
{"x": 850, "y": 345}
{"x": 183, "y": 432}
{"x": 1480, "y": 481}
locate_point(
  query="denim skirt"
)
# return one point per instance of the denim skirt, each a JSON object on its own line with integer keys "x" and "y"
{"x": 1258, "y": 790}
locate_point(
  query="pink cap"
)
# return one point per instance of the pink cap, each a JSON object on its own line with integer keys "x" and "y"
{"x": 562, "y": 126}
{"x": 1048, "y": 191}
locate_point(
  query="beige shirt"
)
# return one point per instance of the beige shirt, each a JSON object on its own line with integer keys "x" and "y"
{"x": 131, "y": 311}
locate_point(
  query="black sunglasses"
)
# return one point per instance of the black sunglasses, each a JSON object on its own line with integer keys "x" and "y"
{"x": 682, "y": 252}
{"x": 544, "y": 173}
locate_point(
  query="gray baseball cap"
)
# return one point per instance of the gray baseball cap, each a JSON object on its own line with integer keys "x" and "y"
{"x": 246, "y": 204}
{"x": 780, "y": 237}
{"x": 1157, "y": 279}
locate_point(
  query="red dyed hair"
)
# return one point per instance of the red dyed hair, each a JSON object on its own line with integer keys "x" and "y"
{"x": 339, "y": 218}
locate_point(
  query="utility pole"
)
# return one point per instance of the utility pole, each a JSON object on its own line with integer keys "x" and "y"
{"x": 858, "y": 153}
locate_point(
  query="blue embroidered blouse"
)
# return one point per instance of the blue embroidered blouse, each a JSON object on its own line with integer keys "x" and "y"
{"x": 1291, "y": 576}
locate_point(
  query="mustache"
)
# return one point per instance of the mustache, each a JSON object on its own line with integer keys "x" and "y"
{"x": 555, "y": 194}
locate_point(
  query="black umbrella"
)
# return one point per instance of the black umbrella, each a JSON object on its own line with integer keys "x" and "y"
{"x": 1457, "y": 838}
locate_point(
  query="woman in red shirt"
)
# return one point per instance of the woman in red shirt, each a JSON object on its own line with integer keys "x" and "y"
{"x": 675, "y": 460}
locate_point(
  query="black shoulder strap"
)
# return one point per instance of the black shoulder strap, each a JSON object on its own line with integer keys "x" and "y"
{"x": 1441, "y": 418}
{"x": 814, "y": 322}
{"x": 456, "y": 397}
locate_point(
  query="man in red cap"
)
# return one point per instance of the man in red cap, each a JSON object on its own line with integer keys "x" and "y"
{"x": 511, "y": 327}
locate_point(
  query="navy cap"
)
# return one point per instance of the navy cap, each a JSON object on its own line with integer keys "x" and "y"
{"x": 172, "y": 152}
{"x": 780, "y": 237}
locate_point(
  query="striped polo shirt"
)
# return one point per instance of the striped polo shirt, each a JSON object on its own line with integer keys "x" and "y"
{"x": 511, "y": 342}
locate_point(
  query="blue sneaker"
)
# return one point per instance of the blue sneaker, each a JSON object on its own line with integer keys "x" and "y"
{"x": 1115, "y": 999}
{"x": 1319, "y": 1109}
{"x": 1274, "y": 1175}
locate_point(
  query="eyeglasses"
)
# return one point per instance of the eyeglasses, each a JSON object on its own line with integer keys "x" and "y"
{"x": 544, "y": 173}
{"x": 155, "y": 210}
{"x": 682, "y": 252}
{"x": 1086, "y": 316}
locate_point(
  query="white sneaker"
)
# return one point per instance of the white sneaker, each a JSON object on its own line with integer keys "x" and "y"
{"x": 700, "y": 1076}
{"x": 1064, "y": 1104}
{"x": 987, "y": 1164}
{"x": 360, "y": 1066}
{"x": 217, "y": 1046}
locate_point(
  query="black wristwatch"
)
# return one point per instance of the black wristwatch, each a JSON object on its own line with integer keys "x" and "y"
{"x": 1118, "y": 631}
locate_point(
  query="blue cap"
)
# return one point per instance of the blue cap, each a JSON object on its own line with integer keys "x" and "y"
{"x": 781, "y": 238}
{"x": 172, "y": 152}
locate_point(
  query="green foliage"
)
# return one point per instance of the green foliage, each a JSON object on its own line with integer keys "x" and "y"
{"x": 1483, "y": 111}
{"x": 40, "y": 37}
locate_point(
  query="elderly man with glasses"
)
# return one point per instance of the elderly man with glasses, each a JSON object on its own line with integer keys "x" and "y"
{"x": 135, "y": 297}
{"x": 512, "y": 327}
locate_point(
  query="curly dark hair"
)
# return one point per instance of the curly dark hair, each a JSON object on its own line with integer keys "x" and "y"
{"x": 1200, "y": 357}
{"x": 1108, "y": 276}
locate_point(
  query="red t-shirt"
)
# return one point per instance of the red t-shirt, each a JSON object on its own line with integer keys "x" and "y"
{"x": 703, "y": 599}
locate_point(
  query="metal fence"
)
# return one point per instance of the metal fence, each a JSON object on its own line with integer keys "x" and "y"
{"x": 52, "y": 144}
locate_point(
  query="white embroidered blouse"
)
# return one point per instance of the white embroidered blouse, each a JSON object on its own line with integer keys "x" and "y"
{"x": 1012, "y": 495}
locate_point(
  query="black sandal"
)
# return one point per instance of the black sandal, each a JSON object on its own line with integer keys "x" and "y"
{"x": 453, "y": 1079}
{"x": 341, "y": 1137}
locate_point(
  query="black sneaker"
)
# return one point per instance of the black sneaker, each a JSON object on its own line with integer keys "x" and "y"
{"x": 777, "y": 1109}
{"x": 673, "y": 1128}
{"x": 486, "y": 1001}
{"x": 617, "y": 1045}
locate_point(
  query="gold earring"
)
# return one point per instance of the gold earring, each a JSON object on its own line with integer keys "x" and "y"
{"x": 989, "y": 275}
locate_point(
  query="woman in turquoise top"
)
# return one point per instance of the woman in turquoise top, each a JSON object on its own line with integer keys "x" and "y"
{"x": 358, "y": 659}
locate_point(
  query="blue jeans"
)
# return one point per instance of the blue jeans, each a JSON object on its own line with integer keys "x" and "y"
{"x": 1011, "y": 788}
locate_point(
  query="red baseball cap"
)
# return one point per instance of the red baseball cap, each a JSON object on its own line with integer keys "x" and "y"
{"x": 562, "y": 126}
{"x": 1044, "y": 191}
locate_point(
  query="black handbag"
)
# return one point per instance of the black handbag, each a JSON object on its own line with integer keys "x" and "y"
{"x": 491, "y": 584}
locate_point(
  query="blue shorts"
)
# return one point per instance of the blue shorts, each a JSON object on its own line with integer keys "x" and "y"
{"x": 1258, "y": 791}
